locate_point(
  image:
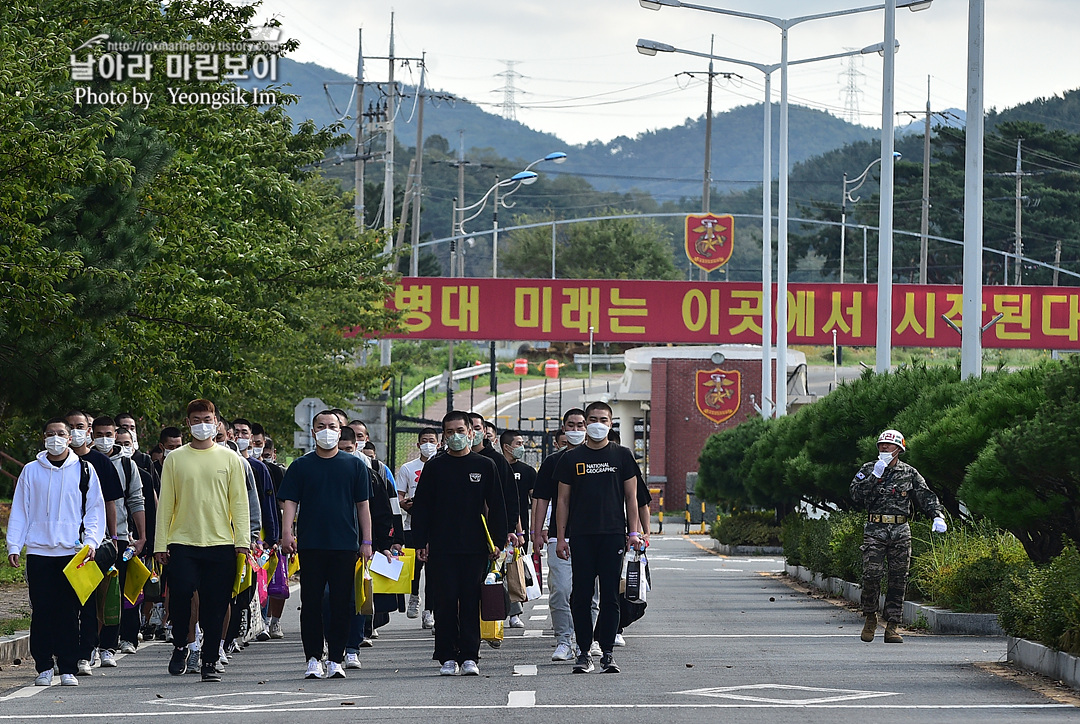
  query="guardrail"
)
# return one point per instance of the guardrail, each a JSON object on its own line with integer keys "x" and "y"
{"x": 599, "y": 359}
{"x": 435, "y": 380}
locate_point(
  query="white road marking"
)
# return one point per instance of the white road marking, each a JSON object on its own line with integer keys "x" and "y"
{"x": 872, "y": 706}
{"x": 520, "y": 699}
{"x": 811, "y": 694}
{"x": 27, "y": 691}
{"x": 291, "y": 698}
{"x": 540, "y": 607}
{"x": 525, "y": 670}
{"x": 532, "y": 633}
{"x": 538, "y": 618}
{"x": 665, "y": 568}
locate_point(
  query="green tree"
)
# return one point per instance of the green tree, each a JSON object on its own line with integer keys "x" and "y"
{"x": 722, "y": 463}
{"x": 609, "y": 249}
{"x": 1027, "y": 478}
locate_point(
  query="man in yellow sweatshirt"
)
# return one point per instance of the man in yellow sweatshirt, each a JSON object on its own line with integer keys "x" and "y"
{"x": 202, "y": 526}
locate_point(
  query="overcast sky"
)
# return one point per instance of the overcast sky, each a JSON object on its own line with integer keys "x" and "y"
{"x": 582, "y": 78}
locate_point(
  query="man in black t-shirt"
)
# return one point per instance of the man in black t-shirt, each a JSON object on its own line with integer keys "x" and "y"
{"x": 545, "y": 492}
{"x": 481, "y": 446}
{"x": 448, "y": 530}
{"x": 332, "y": 490}
{"x": 597, "y": 504}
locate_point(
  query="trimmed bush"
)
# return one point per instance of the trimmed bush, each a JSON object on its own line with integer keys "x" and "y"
{"x": 1042, "y": 603}
{"x": 747, "y": 529}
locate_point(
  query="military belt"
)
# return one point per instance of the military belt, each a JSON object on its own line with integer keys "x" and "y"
{"x": 874, "y": 518}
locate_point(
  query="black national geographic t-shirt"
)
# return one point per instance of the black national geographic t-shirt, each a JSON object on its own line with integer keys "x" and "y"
{"x": 597, "y": 497}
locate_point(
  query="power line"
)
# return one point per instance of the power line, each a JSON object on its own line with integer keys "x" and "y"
{"x": 852, "y": 91}
{"x": 509, "y": 90}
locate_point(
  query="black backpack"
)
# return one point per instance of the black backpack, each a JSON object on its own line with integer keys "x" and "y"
{"x": 105, "y": 555}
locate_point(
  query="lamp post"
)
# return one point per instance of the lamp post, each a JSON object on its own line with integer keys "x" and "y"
{"x": 785, "y": 24}
{"x": 858, "y": 181}
{"x": 524, "y": 177}
{"x": 651, "y": 47}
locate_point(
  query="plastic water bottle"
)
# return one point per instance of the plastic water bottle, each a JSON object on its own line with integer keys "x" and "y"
{"x": 490, "y": 578}
{"x": 129, "y": 553}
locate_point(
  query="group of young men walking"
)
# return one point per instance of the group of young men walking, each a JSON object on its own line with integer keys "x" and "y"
{"x": 201, "y": 506}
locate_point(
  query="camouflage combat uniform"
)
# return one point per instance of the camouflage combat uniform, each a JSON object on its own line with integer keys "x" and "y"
{"x": 900, "y": 486}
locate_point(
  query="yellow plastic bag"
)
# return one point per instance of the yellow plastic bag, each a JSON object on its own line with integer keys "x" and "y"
{"x": 363, "y": 589}
{"x": 491, "y": 543}
{"x": 84, "y": 575}
{"x": 491, "y": 630}
{"x": 403, "y": 585}
{"x": 137, "y": 576}
{"x": 244, "y": 575}
{"x": 294, "y": 564}
{"x": 271, "y": 565}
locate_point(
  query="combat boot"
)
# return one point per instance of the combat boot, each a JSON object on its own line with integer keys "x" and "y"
{"x": 869, "y": 628}
{"x": 891, "y": 636}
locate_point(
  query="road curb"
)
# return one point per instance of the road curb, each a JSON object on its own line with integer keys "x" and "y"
{"x": 727, "y": 550}
{"x": 1045, "y": 660}
{"x": 16, "y": 646}
{"x": 936, "y": 619}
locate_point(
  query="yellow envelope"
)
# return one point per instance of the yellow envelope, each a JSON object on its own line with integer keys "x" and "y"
{"x": 403, "y": 585}
{"x": 137, "y": 576}
{"x": 84, "y": 575}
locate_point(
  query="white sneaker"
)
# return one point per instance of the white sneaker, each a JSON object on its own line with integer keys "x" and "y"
{"x": 68, "y": 680}
{"x": 275, "y": 630}
{"x": 563, "y": 653}
{"x": 619, "y": 640}
{"x": 44, "y": 678}
{"x": 594, "y": 650}
{"x": 374, "y": 633}
{"x": 107, "y": 660}
{"x": 95, "y": 658}
{"x": 450, "y": 668}
{"x": 413, "y": 610}
{"x": 427, "y": 620}
{"x": 334, "y": 670}
{"x": 126, "y": 647}
{"x": 222, "y": 657}
{"x": 469, "y": 668}
{"x": 314, "y": 669}
{"x": 352, "y": 661}
{"x": 516, "y": 622}
{"x": 84, "y": 668}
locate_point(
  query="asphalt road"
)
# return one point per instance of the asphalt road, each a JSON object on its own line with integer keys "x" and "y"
{"x": 721, "y": 640}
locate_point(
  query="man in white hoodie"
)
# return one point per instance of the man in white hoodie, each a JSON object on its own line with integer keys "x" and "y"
{"x": 49, "y": 518}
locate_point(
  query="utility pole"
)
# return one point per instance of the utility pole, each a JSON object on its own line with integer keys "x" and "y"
{"x": 414, "y": 267}
{"x": 924, "y": 226}
{"x": 706, "y": 194}
{"x": 1019, "y": 205}
{"x": 358, "y": 169}
{"x": 1057, "y": 261}
{"x": 388, "y": 175}
{"x": 461, "y": 199}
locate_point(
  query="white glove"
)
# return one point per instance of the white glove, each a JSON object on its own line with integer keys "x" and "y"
{"x": 939, "y": 525}
{"x": 879, "y": 469}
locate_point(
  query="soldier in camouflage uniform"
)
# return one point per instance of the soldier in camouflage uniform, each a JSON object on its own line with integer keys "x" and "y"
{"x": 886, "y": 489}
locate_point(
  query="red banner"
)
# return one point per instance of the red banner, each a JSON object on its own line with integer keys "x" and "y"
{"x": 724, "y": 312}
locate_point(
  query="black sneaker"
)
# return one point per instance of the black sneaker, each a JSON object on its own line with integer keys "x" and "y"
{"x": 608, "y": 665}
{"x": 210, "y": 673}
{"x": 583, "y": 665}
{"x": 178, "y": 662}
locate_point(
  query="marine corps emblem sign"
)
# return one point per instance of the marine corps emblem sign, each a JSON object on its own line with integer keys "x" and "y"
{"x": 718, "y": 393}
{"x": 709, "y": 239}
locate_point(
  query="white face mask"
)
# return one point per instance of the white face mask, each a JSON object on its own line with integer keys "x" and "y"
{"x": 105, "y": 444}
{"x": 242, "y": 443}
{"x": 885, "y": 457}
{"x": 165, "y": 453}
{"x": 127, "y": 451}
{"x": 428, "y": 449}
{"x": 327, "y": 438}
{"x": 575, "y": 437}
{"x": 78, "y": 438}
{"x": 598, "y": 431}
{"x": 56, "y": 445}
{"x": 256, "y": 452}
{"x": 203, "y": 430}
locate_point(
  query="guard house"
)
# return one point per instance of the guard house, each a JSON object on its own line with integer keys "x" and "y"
{"x": 674, "y": 398}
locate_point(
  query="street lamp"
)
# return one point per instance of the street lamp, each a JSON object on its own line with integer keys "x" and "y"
{"x": 785, "y": 24}
{"x": 652, "y": 47}
{"x": 858, "y": 182}
{"x": 524, "y": 177}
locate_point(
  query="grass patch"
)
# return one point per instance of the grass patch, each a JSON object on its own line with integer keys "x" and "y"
{"x": 12, "y": 575}
{"x": 11, "y": 625}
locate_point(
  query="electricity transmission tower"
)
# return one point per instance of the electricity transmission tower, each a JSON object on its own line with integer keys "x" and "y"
{"x": 509, "y": 90}
{"x": 851, "y": 91}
